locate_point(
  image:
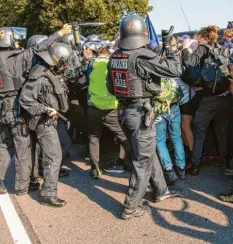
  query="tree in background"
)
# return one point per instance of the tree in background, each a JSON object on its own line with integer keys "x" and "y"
{"x": 46, "y": 16}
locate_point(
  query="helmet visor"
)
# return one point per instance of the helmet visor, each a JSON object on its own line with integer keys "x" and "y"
{"x": 19, "y": 34}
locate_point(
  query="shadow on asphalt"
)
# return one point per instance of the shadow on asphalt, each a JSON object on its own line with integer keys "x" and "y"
{"x": 81, "y": 180}
{"x": 212, "y": 232}
{"x": 211, "y": 183}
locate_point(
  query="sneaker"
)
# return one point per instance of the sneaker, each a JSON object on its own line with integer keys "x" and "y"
{"x": 227, "y": 171}
{"x": 96, "y": 173}
{"x": 87, "y": 157}
{"x": 140, "y": 211}
{"x": 181, "y": 173}
{"x": 170, "y": 176}
{"x": 168, "y": 194}
{"x": 194, "y": 170}
{"x": 114, "y": 169}
{"x": 226, "y": 197}
{"x": 3, "y": 189}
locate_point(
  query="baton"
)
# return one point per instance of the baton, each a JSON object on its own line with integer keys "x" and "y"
{"x": 60, "y": 116}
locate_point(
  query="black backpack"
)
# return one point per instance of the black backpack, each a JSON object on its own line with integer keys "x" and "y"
{"x": 215, "y": 70}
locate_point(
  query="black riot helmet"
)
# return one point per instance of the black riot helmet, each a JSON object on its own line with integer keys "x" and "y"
{"x": 36, "y": 39}
{"x": 9, "y": 36}
{"x": 133, "y": 33}
{"x": 57, "y": 55}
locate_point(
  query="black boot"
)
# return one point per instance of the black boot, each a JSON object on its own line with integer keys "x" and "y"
{"x": 34, "y": 186}
{"x": 226, "y": 197}
{"x": 170, "y": 176}
{"x": 168, "y": 194}
{"x": 181, "y": 173}
{"x": 53, "y": 202}
{"x": 3, "y": 189}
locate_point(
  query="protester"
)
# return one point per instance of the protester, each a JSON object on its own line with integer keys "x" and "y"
{"x": 102, "y": 112}
{"x": 215, "y": 102}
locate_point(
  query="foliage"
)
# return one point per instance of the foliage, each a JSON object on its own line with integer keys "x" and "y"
{"x": 46, "y": 16}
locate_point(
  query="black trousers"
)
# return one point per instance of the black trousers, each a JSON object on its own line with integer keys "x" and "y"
{"x": 6, "y": 149}
{"x": 216, "y": 109}
{"x": 146, "y": 165}
{"x": 97, "y": 120}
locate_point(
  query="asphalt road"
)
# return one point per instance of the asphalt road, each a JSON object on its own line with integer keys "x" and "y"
{"x": 92, "y": 213}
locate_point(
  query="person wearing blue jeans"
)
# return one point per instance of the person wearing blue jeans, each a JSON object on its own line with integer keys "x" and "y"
{"x": 172, "y": 121}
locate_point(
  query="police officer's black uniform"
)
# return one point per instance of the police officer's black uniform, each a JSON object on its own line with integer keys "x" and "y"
{"x": 131, "y": 69}
{"x": 14, "y": 64}
{"x": 46, "y": 89}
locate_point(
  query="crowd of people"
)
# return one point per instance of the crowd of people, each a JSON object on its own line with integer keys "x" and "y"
{"x": 148, "y": 95}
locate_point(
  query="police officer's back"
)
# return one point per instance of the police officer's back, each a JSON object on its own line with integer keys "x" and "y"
{"x": 133, "y": 77}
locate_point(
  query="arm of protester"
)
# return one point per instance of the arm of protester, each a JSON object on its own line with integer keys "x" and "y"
{"x": 170, "y": 67}
{"x": 195, "y": 58}
{"x": 29, "y": 97}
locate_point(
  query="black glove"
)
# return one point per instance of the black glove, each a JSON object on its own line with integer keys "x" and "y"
{"x": 167, "y": 39}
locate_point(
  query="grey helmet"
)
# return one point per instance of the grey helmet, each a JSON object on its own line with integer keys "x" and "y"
{"x": 10, "y": 35}
{"x": 94, "y": 46}
{"x": 56, "y": 55}
{"x": 133, "y": 33}
{"x": 68, "y": 39}
{"x": 94, "y": 38}
{"x": 36, "y": 39}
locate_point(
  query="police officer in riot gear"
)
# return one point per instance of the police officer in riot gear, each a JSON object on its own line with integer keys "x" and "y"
{"x": 77, "y": 82}
{"x": 35, "y": 40}
{"x": 11, "y": 38}
{"x": 62, "y": 127}
{"x": 133, "y": 77}
{"x": 14, "y": 67}
{"x": 43, "y": 96}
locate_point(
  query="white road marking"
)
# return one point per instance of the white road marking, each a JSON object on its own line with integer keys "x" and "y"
{"x": 14, "y": 223}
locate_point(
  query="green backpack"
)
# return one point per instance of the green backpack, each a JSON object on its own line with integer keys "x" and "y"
{"x": 171, "y": 93}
